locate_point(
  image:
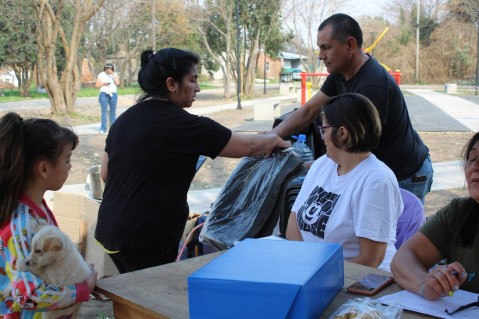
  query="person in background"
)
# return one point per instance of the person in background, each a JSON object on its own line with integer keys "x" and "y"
{"x": 451, "y": 234}
{"x": 150, "y": 159}
{"x": 352, "y": 71}
{"x": 34, "y": 157}
{"x": 348, "y": 195}
{"x": 107, "y": 81}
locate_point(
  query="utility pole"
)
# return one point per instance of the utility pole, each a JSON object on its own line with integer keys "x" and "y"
{"x": 264, "y": 71}
{"x": 153, "y": 25}
{"x": 477, "y": 53}
{"x": 417, "y": 40}
{"x": 372, "y": 41}
{"x": 238, "y": 59}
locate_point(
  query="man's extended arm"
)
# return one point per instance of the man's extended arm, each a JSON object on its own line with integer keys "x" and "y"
{"x": 301, "y": 118}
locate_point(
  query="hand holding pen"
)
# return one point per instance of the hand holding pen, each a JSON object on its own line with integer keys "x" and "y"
{"x": 443, "y": 281}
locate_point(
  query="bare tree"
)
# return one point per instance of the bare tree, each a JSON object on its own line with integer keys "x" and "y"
{"x": 303, "y": 18}
{"x": 452, "y": 55}
{"x": 216, "y": 19}
{"x": 261, "y": 25}
{"x": 127, "y": 36}
{"x": 62, "y": 87}
{"x": 99, "y": 40}
{"x": 118, "y": 32}
{"x": 444, "y": 55}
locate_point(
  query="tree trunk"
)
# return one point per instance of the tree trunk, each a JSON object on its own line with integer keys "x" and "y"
{"x": 250, "y": 69}
{"x": 61, "y": 92}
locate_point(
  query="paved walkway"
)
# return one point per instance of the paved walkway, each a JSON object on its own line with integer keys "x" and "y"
{"x": 429, "y": 111}
{"x": 443, "y": 112}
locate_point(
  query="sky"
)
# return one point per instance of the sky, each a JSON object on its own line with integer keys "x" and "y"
{"x": 357, "y": 8}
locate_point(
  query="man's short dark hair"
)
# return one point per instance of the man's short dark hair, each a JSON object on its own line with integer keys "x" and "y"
{"x": 343, "y": 26}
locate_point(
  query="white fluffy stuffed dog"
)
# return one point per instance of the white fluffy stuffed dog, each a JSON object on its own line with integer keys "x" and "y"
{"x": 56, "y": 260}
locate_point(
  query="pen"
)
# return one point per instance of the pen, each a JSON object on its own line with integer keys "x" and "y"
{"x": 465, "y": 275}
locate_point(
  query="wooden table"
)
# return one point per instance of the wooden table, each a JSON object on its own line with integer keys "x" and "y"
{"x": 162, "y": 292}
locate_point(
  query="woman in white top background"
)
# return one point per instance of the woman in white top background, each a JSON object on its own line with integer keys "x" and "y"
{"x": 107, "y": 81}
{"x": 349, "y": 196}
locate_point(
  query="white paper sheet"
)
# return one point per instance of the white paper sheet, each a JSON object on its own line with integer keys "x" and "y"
{"x": 413, "y": 302}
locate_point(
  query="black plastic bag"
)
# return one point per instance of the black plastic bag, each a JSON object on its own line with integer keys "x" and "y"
{"x": 313, "y": 137}
{"x": 246, "y": 205}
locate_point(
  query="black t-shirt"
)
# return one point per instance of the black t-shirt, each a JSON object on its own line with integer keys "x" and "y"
{"x": 400, "y": 146}
{"x": 153, "y": 148}
{"x": 454, "y": 232}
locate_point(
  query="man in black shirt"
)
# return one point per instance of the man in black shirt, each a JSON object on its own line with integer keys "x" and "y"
{"x": 353, "y": 71}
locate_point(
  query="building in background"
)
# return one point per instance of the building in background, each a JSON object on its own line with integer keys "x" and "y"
{"x": 8, "y": 76}
{"x": 289, "y": 63}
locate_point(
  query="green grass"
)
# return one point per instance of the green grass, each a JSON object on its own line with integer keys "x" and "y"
{"x": 92, "y": 92}
{"x": 13, "y": 95}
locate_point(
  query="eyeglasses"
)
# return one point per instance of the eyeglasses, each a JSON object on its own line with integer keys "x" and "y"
{"x": 322, "y": 129}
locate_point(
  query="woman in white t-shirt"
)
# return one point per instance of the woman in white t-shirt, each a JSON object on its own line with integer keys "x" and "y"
{"x": 349, "y": 196}
{"x": 107, "y": 81}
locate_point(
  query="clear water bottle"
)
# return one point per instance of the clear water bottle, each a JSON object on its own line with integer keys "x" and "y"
{"x": 301, "y": 149}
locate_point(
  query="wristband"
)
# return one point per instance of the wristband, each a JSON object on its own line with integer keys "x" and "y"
{"x": 421, "y": 290}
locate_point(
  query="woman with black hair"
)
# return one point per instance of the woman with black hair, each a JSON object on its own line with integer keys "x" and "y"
{"x": 150, "y": 160}
{"x": 450, "y": 234}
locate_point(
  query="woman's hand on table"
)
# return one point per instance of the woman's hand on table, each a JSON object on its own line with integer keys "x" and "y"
{"x": 442, "y": 281}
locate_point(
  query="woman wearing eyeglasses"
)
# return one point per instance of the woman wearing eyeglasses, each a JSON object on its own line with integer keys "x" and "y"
{"x": 349, "y": 196}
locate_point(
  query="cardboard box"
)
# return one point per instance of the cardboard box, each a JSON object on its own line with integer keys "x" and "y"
{"x": 67, "y": 208}
{"x": 94, "y": 252}
{"x": 76, "y": 215}
{"x": 264, "y": 278}
{"x": 67, "y": 204}
{"x": 68, "y": 211}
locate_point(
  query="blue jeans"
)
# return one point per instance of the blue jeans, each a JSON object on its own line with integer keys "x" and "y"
{"x": 106, "y": 100}
{"x": 420, "y": 183}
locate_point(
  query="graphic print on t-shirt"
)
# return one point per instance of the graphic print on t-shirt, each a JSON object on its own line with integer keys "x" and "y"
{"x": 314, "y": 213}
